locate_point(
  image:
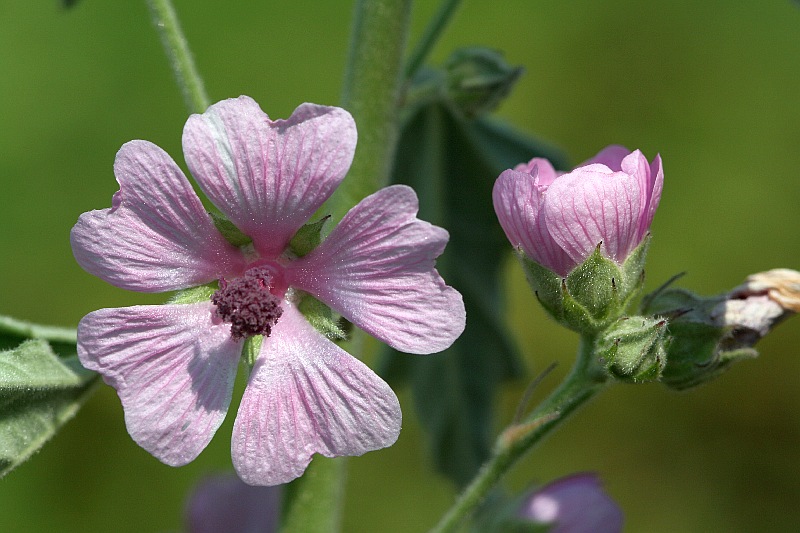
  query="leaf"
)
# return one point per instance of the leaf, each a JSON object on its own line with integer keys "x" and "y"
{"x": 38, "y": 393}
{"x": 452, "y": 162}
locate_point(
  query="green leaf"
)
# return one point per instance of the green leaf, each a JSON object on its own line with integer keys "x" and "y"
{"x": 452, "y": 163}
{"x": 39, "y": 392}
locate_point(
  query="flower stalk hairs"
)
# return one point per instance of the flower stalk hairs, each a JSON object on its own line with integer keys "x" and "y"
{"x": 174, "y": 365}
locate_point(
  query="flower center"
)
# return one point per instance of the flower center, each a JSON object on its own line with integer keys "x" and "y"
{"x": 248, "y": 304}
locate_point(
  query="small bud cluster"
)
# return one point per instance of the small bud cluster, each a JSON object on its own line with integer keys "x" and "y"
{"x": 247, "y": 304}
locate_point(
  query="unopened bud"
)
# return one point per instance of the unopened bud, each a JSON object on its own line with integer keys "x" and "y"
{"x": 478, "y": 79}
{"x": 711, "y": 333}
{"x": 635, "y": 348}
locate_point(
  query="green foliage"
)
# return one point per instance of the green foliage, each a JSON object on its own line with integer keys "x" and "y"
{"x": 452, "y": 162}
{"x": 39, "y": 392}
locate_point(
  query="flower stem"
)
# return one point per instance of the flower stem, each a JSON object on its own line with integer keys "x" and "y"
{"x": 313, "y": 503}
{"x": 180, "y": 57}
{"x": 430, "y": 36}
{"x": 583, "y": 383}
{"x": 371, "y": 92}
{"x": 30, "y": 330}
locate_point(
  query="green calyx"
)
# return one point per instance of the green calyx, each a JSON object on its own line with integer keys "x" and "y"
{"x": 592, "y": 296}
{"x": 194, "y": 295}
{"x": 321, "y": 317}
{"x": 634, "y": 349}
{"x": 308, "y": 237}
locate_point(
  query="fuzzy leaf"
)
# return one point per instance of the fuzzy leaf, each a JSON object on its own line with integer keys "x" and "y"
{"x": 453, "y": 162}
{"x": 39, "y": 392}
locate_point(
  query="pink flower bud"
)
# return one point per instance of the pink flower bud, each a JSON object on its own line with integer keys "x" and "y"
{"x": 558, "y": 220}
{"x": 573, "y": 504}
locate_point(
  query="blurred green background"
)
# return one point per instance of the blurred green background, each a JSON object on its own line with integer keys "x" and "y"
{"x": 713, "y": 86}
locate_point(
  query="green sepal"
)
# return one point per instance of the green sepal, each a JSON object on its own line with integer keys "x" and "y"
{"x": 593, "y": 285}
{"x": 228, "y": 230}
{"x": 587, "y": 300}
{"x": 321, "y": 317}
{"x": 634, "y": 349}
{"x": 632, "y": 279}
{"x": 308, "y": 237}
{"x": 39, "y": 393}
{"x": 251, "y": 349}
{"x": 193, "y": 295}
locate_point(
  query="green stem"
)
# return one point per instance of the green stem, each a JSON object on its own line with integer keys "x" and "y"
{"x": 30, "y": 330}
{"x": 371, "y": 92}
{"x": 583, "y": 383}
{"x": 180, "y": 57}
{"x": 314, "y": 502}
{"x": 430, "y": 36}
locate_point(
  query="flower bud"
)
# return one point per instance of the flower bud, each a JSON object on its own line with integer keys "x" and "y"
{"x": 573, "y": 504}
{"x": 635, "y": 348}
{"x": 478, "y": 79}
{"x": 226, "y": 503}
{"x": 583, "y": 234}
{"x": 711, "y": 333}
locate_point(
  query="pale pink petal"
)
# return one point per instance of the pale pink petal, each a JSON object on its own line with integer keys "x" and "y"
{"x": 518, "y": 204}
{"x": 156, "y": 236}
{"x": 305, "y": 396}
{"x": 173, "y": 367}
{"x": 655, "y": 185}
{"x": 593, "y": 205}
{"x": 610, "y": 156}
{"x": 377, "y": 268}
{"x": 541, "y": 168}
{"x": 269, "y": 177}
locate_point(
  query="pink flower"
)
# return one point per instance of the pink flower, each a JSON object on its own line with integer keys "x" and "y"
{"x": 573, "y": 504}
{"x": 174, "y": 365}
{"x": 559, "y": 219}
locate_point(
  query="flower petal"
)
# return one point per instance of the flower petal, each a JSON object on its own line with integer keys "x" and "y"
{"x": 269, "y": 177}
{"x": 377, "y": 268}
{"x": 306, "y": 395}
{"x": 518, "y": 203}
{"x": 173, "y": 367}
{"x": 156, "y": 236}
{"x": 540, "y": 168}
{"x": 593, "y": 205}
{"x": 610, "y": 156}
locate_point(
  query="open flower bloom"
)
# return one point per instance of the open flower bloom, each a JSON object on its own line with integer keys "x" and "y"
{"x": 174, "y": 365}
{"x": 573, "y": 504}
{"x": 558, "y": 220}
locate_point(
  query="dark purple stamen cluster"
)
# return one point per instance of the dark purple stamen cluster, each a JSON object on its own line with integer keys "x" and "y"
{"x": 247, "y": 304}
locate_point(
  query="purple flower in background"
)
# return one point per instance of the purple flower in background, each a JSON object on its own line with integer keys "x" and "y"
{"x": 225, "y": 503}
{"x": 174, "y": 365}
{"x": 559, "y": 219}
{"x": 573, "y": 504}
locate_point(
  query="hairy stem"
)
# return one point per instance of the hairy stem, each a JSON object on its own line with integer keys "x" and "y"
{"x": 372, "y": 83}
{"x": 180, "y": 57}
{"x": 583, "y": 383}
